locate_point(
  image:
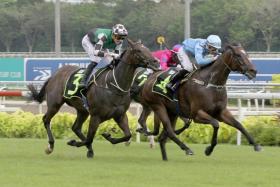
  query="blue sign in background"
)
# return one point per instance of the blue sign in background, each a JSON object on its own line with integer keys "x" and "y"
{"x": 40, "y": 69}
{"x": 265, "y": 67}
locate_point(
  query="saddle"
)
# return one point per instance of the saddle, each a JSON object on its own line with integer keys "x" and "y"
{"x": 162, "y": 80}
{"x": 72, "y": 88}
{"x": 139, "y": 79}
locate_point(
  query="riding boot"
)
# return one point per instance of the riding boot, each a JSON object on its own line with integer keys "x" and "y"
{"x": 172, "y": 85}
{"x": 87, "y": 73}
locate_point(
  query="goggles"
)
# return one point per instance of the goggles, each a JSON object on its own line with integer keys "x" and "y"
{"x": 119, "y": 37}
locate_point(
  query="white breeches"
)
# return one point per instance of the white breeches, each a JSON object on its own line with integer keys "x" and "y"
{"x": 184, "y": 59}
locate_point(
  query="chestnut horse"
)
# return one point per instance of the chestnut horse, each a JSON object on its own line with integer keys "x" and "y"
{"x": 108, "y": 97}
{"x": 201, "y": 97}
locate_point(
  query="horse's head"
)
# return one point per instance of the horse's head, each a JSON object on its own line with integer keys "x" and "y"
{"x": 236, "y": 59}
{"x": 141, "y": 56}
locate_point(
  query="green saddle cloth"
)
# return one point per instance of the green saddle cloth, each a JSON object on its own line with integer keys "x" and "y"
{"x": 162, "y": 80}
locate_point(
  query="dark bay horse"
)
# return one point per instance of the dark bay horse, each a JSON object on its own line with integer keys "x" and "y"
{"x": 136, "y": 95}
{"x": 108, "y": 97}
{"x": 202, "y": 97}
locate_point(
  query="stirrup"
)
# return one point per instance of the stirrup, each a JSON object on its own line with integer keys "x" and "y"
{"x": 85, "y": 103}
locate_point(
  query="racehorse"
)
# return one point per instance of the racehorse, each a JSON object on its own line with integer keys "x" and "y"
{"x": 136, "y": 95}
{"x": 108, "y": 96}
{"x": 201, "y": 97}
{"x": 146, "y": 110}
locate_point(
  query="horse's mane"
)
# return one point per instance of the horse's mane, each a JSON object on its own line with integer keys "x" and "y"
{"x": 123, "y": 53}
{"x": 203, "y": 67}
{"x": 234, "y": 44}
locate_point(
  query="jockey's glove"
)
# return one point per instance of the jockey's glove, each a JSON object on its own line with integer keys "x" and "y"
{"x": 114, "y": 55}
{"x": 215, "y": 57}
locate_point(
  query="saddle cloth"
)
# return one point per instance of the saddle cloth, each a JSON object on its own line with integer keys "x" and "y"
{"x": 72, "y": 88}
{"x": 162, "y": 80}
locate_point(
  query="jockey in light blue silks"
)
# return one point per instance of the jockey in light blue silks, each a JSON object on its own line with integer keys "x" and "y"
{"x": 205, "y": 51}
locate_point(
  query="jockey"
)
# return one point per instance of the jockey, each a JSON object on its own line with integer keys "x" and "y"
{"x": 167, "y": 58}
{"x": 205, "y": 51}
{"x": 97, "y": 43}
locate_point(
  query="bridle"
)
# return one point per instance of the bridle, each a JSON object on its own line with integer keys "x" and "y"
{"x": 236, "y": 58}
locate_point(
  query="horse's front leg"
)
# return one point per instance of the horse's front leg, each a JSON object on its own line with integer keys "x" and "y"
{"x": 161, "y": 112}
{"x": 94, "y": 123}
{"x": 122, "y": 122}
{"x": 203, "y": 117}
{"x": 77, "y": 126}
{"x": 228, "y": 118}
{"x": 187, "y": 123}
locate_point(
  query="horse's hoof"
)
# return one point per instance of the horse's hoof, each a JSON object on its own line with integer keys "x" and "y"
{"x": 189, "y": 152}
{"x": 140, "y": 130}
{"x": 80, "y": 144}
{"x": 106, "y": 135}
{"x": 48, "y": 150}
{"x": 72, "y": 143}
{"x": 127, "y": 143}
{"x": 144, "y": 132}
{"x": 208, "y": 151}
{"x": 90, "y": 154}
{"x": 257, "y": 147}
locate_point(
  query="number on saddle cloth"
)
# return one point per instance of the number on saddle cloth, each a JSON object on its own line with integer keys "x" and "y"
{"x": 72, "y": 85}
{"x": 162, "y": 80}
{"x": 139, "y": 80}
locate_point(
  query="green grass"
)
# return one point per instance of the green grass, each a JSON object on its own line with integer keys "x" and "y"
{"x": 24, "y": 163}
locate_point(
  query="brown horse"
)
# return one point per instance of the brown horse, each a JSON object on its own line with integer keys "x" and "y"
{"x": 108, "y": 97}
{"x": 136, "y": 95}
{"x": 202, "y": 97}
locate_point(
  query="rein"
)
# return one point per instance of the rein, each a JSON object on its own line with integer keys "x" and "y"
{"x": 208, "y": 85}
{"x": 116, "y": 85}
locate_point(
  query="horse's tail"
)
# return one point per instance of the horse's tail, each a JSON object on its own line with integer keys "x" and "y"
{"x": 39, "y": 97}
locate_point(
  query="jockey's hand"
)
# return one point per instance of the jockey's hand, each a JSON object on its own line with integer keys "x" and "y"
{"x": 215, "y": 57}
{"x": 179, "y": 66}
{"x": 114, "y": 55}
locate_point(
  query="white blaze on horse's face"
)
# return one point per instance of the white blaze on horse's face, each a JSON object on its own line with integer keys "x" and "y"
{"x": 243, "y": 51}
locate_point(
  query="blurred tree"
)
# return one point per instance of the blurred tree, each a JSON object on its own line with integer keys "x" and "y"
{"x": 139, "y": 20}
{"x": 21, "y": 3}
{"x": 77, "y": 20}
{"x": 168, "y": 20}
{"x": 265, "y": 16}
{"x": 9, "y": 27}
{"x": 31, "y": 23}
{"x": 46, "y": 31}
{"x": 228, "y": 19}
{"x": 28, "y": 25}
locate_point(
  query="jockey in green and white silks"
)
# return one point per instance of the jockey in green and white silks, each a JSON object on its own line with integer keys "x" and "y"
{"x": 97, "y": 43}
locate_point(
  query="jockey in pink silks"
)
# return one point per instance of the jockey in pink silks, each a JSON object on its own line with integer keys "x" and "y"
{"x": 168, "y": 58}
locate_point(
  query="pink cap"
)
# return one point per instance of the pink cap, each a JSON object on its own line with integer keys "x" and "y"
{"x": 176, "y": 48}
